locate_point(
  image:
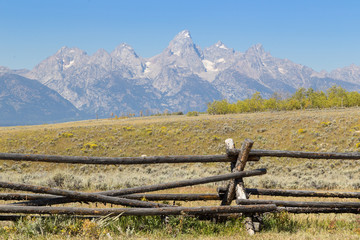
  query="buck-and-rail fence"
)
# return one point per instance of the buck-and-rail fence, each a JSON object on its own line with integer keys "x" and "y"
{"x": 137, "y": 201}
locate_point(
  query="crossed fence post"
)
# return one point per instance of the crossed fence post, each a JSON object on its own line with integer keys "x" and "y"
{"x": 236, "y": 188}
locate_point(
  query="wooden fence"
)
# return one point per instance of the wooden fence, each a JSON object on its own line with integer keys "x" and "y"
{"x": 42, "y": 199}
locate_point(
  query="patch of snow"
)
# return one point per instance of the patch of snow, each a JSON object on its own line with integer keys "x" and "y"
{"x": 209, "y": 66}
{"x": 221, "y": 45}
{"x": 147, "y": 64}
{"x": 69, "y": 65}
{"x": 125, "y": 45}
{"x": 281, "y": 70}
{"x": 220, "y": 60}
{"x": 177, "y": 53}
{"x": 185, "y": 34}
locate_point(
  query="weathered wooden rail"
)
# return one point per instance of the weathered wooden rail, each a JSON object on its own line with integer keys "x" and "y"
{"x": 104, "y": 196}
{"x": 298, "y": 154}
{"x": 143, "y": 203}
{"x": 121, "y": 160}
{"x": 198, "y": 197}
{"x": 214, "y": 210}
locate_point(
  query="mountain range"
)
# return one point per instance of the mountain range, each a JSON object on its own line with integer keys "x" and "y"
{"x": 183, "y": 77}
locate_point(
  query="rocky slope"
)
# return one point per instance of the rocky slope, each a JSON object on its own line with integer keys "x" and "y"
{"x": 26, "y": 101}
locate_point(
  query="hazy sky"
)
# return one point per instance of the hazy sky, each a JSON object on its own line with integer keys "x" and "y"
{"x": 320, "y": 34}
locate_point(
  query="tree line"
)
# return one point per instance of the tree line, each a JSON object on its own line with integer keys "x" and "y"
{"x": 303, "y": 98}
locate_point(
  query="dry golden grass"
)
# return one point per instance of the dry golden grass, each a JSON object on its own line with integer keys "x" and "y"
{"x": 324, "y": 130}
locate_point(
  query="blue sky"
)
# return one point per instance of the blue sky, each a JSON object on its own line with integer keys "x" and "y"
{"x": 320, "y": 34}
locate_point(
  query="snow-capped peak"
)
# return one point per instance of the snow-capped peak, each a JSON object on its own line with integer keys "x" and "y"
{"x": 182, "y": 38}
{"x": 183, "y": 45}
{"x": 125, "y": 45}
{"x": 183, "y": 34}
{"x": 123, "y": 50}
{"x": 221, "y": 45}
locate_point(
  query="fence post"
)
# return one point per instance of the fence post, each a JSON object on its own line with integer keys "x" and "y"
{"x": 236, "y": 186}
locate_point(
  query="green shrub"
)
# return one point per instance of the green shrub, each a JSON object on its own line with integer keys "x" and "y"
{"x": 177, "y": 113}
{"x": 192, "y": 114}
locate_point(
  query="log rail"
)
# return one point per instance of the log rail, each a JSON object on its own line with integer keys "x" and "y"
{"x": 120, "y": 160}
{"x": 140, "y": 202}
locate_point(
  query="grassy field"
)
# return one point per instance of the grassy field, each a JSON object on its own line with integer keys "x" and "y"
{"x": 325, "y": 130}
